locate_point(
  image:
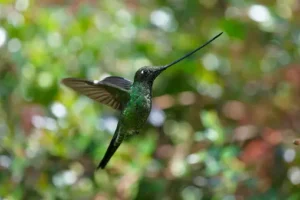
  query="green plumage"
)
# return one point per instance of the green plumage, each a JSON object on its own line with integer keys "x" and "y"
{"x": 135, "y": 115}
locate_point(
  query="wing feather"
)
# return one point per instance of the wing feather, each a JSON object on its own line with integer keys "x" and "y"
{"x": 112, "y": 91}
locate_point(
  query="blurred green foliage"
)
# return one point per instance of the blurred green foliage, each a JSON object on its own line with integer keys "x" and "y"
{"x": 223, "y": 121}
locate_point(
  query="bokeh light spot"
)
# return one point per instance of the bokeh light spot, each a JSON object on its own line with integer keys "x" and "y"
{"x": 259, "y": 13}
{"x": 289, "y": 155}
{"x": 58, "y": 110}
{"x": 157, "y": 117}
{"x": 5, "y": 161}
{"x": 21, "y": 5}
{"x": 45, "y": 79}
{"x": 108, "y": 123}
{"x": 14, "y": 45}
{"x": 294, "y": 175}
{"x": 54, "y": 40}
{"x": 211, "y": 62}
{"x": 2, "y": 36}
{"x": 163, "y": 19}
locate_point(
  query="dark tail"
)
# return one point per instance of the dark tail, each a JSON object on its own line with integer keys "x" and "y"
{"x": 113, "y": 146}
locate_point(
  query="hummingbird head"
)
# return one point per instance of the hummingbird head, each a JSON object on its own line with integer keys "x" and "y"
{"x": 148, "y": 74}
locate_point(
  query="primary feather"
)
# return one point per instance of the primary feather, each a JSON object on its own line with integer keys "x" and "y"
{"x": 112, "y": 91}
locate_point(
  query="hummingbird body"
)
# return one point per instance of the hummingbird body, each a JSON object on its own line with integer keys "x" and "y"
{"x": 138, "y": 108}
{"x": 132, "y": 119}
{"x": 134, "y": 100}
{"x": 136, "y": 112}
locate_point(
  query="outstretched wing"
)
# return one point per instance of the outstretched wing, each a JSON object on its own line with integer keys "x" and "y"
{"x": 112, "y": 91}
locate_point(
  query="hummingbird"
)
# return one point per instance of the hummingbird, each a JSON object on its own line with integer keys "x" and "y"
{"x": 132, "y": 99}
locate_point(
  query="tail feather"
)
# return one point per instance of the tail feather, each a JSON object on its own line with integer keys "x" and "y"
{"x": 113, "y": 146}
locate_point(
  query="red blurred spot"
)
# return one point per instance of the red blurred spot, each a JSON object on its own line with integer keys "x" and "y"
{"x": 297, "y": 141}
{"x": 101, "y": 196}
{"x": 165, "y": 151}
{"x": 26, "y": 116}
{"x": 255, "y": 152}
{"x": 164, "y": 101}
{"x": 292, "y": 75}
{"x": 271, "y": 136}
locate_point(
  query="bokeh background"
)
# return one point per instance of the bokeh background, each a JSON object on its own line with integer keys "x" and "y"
{"x": 223, "y": 121}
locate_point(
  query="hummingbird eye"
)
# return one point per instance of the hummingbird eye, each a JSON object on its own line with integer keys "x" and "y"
{"x": 144, "y": 72}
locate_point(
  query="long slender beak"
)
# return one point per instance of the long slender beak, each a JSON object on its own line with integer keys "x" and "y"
{"x": 161, "y": 69}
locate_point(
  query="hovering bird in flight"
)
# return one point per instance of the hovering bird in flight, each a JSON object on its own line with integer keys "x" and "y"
{"x": 134, "y": 100}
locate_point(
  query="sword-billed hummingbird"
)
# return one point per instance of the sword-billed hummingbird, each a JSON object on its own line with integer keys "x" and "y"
{"x": 134, "y": 100}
